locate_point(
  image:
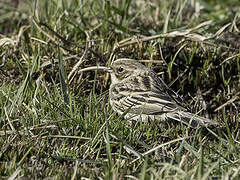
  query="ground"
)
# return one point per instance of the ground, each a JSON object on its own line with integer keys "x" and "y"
{"x": 56, "y": 122}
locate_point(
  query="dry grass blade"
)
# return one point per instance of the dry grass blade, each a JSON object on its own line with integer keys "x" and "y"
{"x": 21, "y": 32}
{"x": 234, "y": 98}
{"x": 236, "y": 55}
{"x": 15, "y": 174}
{"x": 186, "y": 32}
{"x": 132, "y": 151}
{"x": 220, "y": 30}
{"x": 160, "y": 146}
{"x": 151, "y": 61}
{"x": 75, "y": 67}
{"x": 142, "y": 60}
{"x": 42, "y": 31}
{"x": 47, "y": 35}
{"x": 26, "y": 132}
{"x": 93, "y": 68}
{"x": 7, "y": 41}
{"x": 9, "y": 121}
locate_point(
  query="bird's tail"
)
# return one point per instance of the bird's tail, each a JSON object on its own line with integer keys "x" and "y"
{"x": 191, "y": 119}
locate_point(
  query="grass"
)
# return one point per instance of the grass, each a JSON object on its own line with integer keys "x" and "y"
{"x": 56, "y": 122}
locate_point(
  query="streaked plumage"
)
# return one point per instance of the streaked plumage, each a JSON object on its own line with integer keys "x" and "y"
{"x": 137, "y": 90}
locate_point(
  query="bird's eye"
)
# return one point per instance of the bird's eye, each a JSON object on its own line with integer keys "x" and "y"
{"x": 120, "y": 70}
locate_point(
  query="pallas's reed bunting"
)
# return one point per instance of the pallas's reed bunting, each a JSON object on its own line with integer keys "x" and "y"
{"x": 139, "y": 93}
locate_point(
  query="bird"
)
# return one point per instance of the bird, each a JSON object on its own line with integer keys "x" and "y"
{"x": 139, "y": 94}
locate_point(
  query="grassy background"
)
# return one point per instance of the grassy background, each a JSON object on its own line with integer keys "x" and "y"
{"x": 52, "y": 126}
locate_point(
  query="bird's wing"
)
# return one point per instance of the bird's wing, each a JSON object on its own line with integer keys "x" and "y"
{"x": 149, "y": 103}
{"x": 144, "y": 93}
{"x": 160, "y": 86}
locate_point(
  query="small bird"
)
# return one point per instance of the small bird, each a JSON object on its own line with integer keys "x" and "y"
{"x": 139, "y": 93}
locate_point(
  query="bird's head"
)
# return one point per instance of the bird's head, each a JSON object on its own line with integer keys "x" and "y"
{"x": 121, "y": 69}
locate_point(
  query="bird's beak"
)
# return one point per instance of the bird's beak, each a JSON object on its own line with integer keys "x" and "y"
{"x": 108, "y": 69}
